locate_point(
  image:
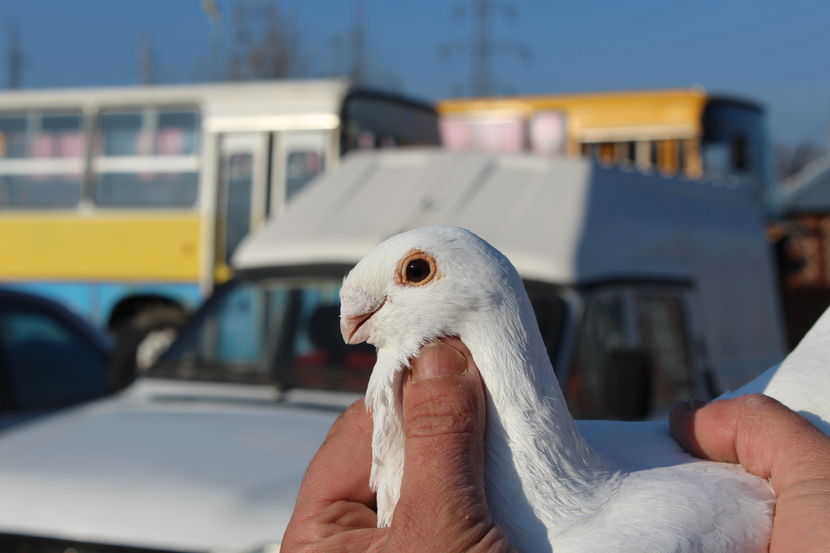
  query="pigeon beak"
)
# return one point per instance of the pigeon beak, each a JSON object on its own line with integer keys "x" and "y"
{"x": 356, "y": 308}
{"x": 354, "y": 329}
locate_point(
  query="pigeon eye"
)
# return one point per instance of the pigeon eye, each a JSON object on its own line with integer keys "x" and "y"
{"x": 416, "y": 269}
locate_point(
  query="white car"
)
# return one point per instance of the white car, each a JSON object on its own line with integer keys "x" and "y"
{"x": 207, "y": 452}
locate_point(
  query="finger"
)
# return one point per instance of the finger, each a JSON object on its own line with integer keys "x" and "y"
{"x": 444, "y": 415}
{"x": 771, "y": 441}
{"x": 766, "y": 437}
{"x": 339, "y": 472}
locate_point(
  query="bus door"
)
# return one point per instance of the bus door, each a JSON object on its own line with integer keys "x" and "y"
{"x": 242, "y": 193}
{"x": 299, "y": 156}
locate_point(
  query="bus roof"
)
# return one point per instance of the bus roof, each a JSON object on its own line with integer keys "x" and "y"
{"x": 229, "y": 106}
{"x": 565, "y": 221}
{"x": 679, "y": 109}
{"x": 274, "y": 91}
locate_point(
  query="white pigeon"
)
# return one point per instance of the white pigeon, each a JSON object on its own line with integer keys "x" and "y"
{"x": 627, "y": 487}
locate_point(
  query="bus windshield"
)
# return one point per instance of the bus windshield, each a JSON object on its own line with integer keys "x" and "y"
{"x": 279, "y": 331}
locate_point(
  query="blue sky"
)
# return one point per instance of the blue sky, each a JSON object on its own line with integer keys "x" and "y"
{"x": 772, "y": 51}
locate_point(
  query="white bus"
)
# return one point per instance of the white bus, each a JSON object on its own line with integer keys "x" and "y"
{"x": 127, "y": 203}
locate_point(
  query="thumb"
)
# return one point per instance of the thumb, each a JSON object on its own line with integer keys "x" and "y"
{"x": 444, "y": 416}
{"x": 773, "y": 442}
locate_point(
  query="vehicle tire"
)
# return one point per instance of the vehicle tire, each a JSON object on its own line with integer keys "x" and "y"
{"x": 141, "y": 340}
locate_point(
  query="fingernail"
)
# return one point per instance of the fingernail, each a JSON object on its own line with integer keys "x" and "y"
{"x": 437, "y": 359}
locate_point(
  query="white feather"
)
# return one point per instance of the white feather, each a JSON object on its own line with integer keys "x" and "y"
{"x": 801, "y": 382}
{"x": 627, "y": 487}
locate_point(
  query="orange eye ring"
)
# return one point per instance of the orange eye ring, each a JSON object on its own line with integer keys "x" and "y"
{"x": 416, "y": 269}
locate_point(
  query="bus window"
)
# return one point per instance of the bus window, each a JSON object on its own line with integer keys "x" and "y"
{"x": 299, "y": 157}
{"x": 487, "y": 134}
{"x": 733, "y": 141}
{"x": 626, "y": 152}
{"x": 716, "y": 159}
{"x": 121, "y": 135}
{"x": 740, "y": 155}
{"x": 617, "y": 152}
{"x": 642, "y": 155}
{"x": 691, "y": 157}
{"x": 301, "y": 166}
{"x": 681, "y": 156}
{"x": 546, "y": 131}
{"x": 12, "y": 136}
{"x": 667, "y": 156}
{"x": 727, "y": 157}
{"x": 31, "y": 139}
{"x": 178, "y": 134}
{"x": 605, "y": 152}
{"x": 375, "y": 121}
{"x": 239, "y": 187}
{"x": 147, "y": 158}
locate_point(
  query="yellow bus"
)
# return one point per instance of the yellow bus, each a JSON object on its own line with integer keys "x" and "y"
{"x": 127, "y": 203}
{"x": 688, "y": 132}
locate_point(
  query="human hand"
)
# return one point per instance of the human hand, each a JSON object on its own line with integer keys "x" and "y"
{"x": 774, "y": 442}
{"x": 442, "y": 506}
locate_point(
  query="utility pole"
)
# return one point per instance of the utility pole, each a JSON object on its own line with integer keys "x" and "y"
{"x": 147, "y": 62}
{"x": 357, "y": 71}
{"x": 14, "y": 58}
{"x": 214, "y": 16}
{"x": 483, "y": 47}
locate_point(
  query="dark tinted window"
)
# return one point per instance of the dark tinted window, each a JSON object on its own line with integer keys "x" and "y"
{"x": 551, "y": 315}
{"x": 301, "y": 166}
{"x": 271, "y": 331}
{"x": 734, "y": 142}
{"x": 39, "y": 191}
{"x": 179, "y": 189}
{"x": 664, "y": 336}
{"x": 378, "y": 122}
{"x": 46, "y": 363}
{"x": 12, "y": 136}
{"x": 603, "y": 331}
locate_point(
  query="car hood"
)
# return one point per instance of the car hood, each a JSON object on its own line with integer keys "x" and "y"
{"x": 173, "y": 465}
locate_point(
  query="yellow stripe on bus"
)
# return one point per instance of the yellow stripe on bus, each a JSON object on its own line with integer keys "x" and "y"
{"x": 124, "y": 247}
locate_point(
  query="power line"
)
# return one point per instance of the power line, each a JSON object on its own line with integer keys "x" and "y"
{"x": 482, "y": 47}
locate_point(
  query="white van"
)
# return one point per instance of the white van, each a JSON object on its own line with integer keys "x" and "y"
{"x": 668, "y": 280}
{"x": 647, "y": 290}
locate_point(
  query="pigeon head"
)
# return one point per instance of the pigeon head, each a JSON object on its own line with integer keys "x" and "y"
{"x": 421, "y": 285}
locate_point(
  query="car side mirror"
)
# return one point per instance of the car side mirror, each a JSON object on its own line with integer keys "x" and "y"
{"x": 627, "y": 384}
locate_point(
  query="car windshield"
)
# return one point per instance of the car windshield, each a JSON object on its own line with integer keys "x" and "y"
{"x": 286, "y": 332}
{"x": 280, "y": 331}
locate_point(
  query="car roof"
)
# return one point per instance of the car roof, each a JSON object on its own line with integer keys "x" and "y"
{"x": 15, "y": 297}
